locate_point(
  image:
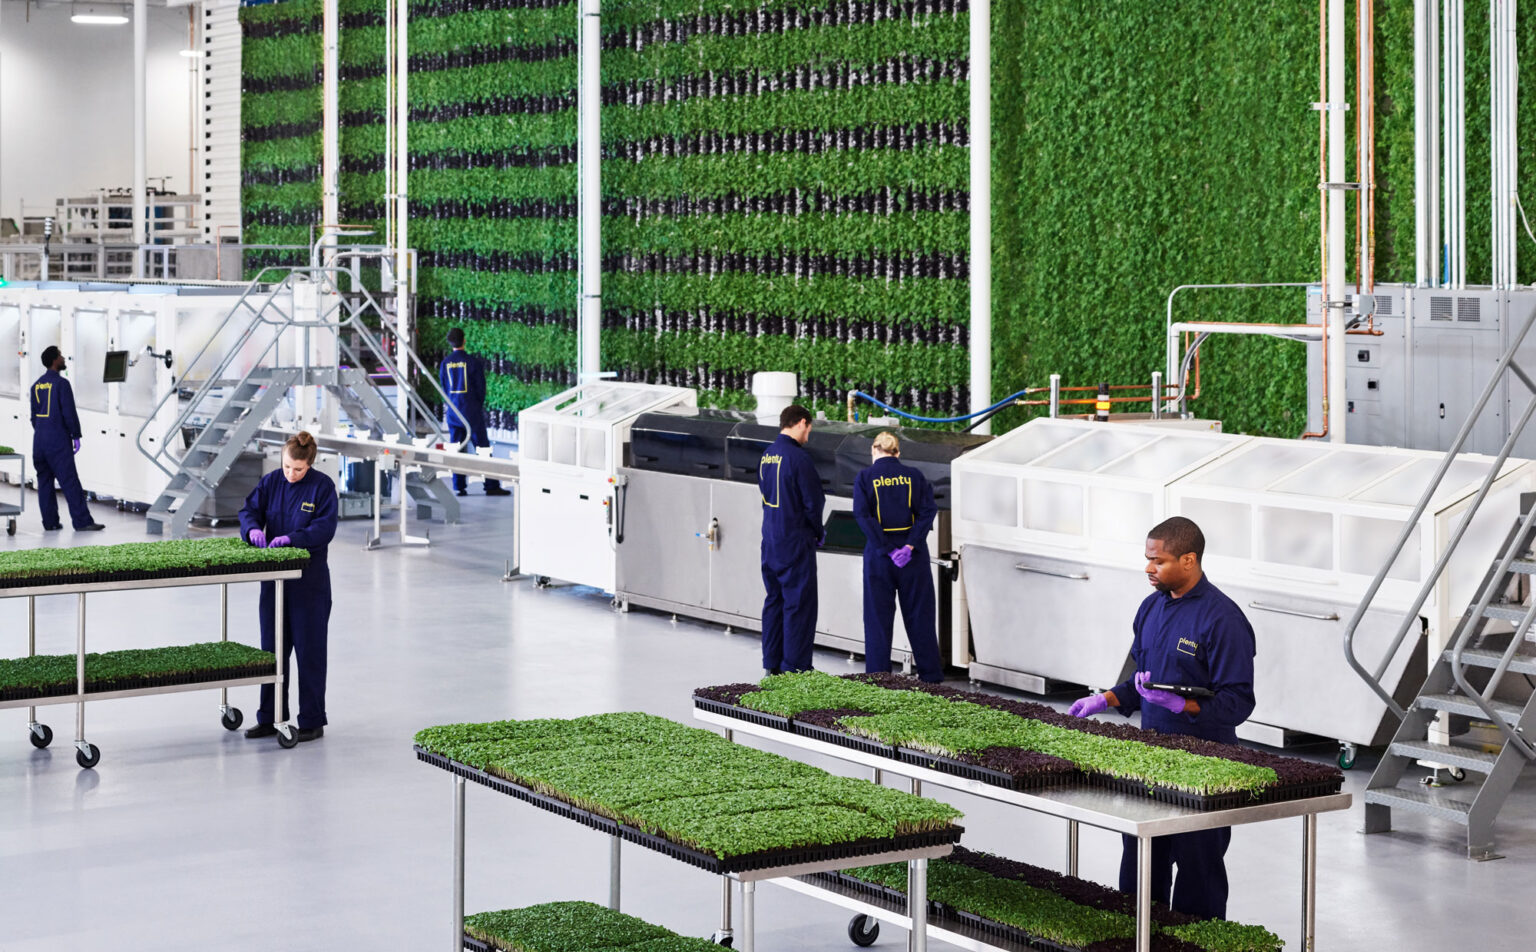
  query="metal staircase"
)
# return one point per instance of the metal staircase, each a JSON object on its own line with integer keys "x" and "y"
{"x": 1493, "y": 638}
{"x": 307, "y": 333}
{"x": 1502, "y": 599}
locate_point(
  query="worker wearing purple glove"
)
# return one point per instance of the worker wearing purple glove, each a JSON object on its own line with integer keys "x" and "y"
{"x": 1186, "y": 633}
{"x": 55, "y": 441}
{"x": 295, "y": 506}
{"x": 893, "y": 504}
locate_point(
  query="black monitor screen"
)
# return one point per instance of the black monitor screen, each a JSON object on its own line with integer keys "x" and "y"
{"x": 116, "y": 370}
{"x": 844, "y": 533}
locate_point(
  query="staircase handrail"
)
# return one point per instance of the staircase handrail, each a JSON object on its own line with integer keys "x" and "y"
{"x": 1373, "y": 680}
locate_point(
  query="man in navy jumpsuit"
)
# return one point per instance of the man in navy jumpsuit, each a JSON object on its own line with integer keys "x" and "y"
{"x": 1186, "y": 633}
{"x": 894, "y": 506}
{"x": 462, "y": 375}
{"x": 55, "y": 441}
{"x": 295, "y": 506}
{"x": 792, "y": 531}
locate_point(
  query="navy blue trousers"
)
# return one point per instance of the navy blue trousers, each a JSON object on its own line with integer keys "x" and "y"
{"x": 58, "y": 463}
{"x": 456, "y": 434}
{"x": 884, "y": 586}
{"x": 307, "y": 608}
{"x": 1200, "y": 888}
{"x": 789, "y": 610}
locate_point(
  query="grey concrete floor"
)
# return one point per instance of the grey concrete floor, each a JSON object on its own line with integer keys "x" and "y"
{"x": 187, "y": 836}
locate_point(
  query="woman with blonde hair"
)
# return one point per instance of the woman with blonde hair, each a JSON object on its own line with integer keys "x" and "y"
{"x": 894, "y": 505}
{"x": 295, "y": 506}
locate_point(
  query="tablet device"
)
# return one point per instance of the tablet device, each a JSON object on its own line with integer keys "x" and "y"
{"x": 116, "y": 368}
{"x": 1183, "y": 690}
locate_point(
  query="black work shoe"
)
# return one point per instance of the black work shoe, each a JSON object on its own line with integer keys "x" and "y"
{"x": 93, "y": 527}
{"x": 461, "y": 492}
{"x": 498, "y": 491}
{"x": 52, "y": 528}
{"x": 309, "y": 733}
{"x": 260, "y": 731}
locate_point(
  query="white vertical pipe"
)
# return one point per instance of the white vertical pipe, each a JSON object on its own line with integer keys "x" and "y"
{"x": 389, "y": 126}
{"x": 981, "y": 208}
{"x": 589, "y": 195}
{"x": 1338, "y": 35}
{"x": 1455, "y": 125}
{"x": 1512, "y": 131}
{"x": 1424, "y": 92}
{"x": 140, "y": 137}
{"x": 1432, "y": 153}
{"x": 402, "y": 204}
{"x": 330, "y": 155}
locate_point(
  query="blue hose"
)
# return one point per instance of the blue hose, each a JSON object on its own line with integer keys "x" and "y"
{"x": 954, "y": 419}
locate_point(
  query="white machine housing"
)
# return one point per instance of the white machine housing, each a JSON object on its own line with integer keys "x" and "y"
{"x": 571, "y": 449}
{"x": 1051, "y": 518}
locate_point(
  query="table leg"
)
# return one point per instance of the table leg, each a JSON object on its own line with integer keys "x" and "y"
{"x": 917, "y": 903}
{"x": 32, "y": 650}
{"x": 749, "y": 916}
{"x": 458, "y": 864}
{"x": 730, "y": 736}
{"x": 879, "y": 776}
{"x": 1144, "y": 894}
{"x": 80, "y": 670}
{"x": 1309, "y": 882}
{"x": 724, "y": 932}
{"x": 613, "y": 872}
{"x": 224, "y": 636}
{"x": 917, "y": 787}
{"x": 1072, "y": 832}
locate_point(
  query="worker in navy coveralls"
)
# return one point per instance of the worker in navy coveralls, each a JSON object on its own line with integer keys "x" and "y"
{"x": 295, "y": 506}
{"x": 894, "y": 506}
{"x": 55, "y": 441}
{"x": 1186, "y": 633}
{"x": 792, "y": 531}
{"x": 462, "y": 375}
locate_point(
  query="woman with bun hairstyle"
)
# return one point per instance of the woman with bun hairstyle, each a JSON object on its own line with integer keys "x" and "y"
{"x": 295, "y": 506}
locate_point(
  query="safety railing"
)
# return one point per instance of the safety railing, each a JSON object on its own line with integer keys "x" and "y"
{"x": 1465, "y": 628}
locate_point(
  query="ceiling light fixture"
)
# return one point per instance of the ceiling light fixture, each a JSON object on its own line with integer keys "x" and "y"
{"x": 98, "y": 14}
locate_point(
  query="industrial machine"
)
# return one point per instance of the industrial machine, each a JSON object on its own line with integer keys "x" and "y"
{"x": 1051, "y": 520}
{"x": 572, "y": 508}
{"x": 692, "y": 519}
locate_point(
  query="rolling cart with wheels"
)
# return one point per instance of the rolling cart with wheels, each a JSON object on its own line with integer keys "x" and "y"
{"x": 88, "y": 755}
{"x": 9, "y": 512}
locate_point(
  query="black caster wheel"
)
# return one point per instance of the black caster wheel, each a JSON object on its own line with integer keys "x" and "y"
{"x": 1457, "y": 774}
{"x": 541, "y": 581}
{"x": 862, "y": 930}
{"x": 1346, "y": 759}
{"x": 289, "y": 740}
{"x": 41, "y": 736}
{"x": 88, "y": 757}
{"x": 232, "y": 719}
{"x": 728, "y": 942}
{"x": 10, "y": 527}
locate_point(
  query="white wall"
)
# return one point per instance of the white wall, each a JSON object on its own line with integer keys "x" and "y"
{"x": 66, "y": 104}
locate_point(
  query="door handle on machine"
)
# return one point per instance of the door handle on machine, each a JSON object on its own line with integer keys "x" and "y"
{"x": 1282, "y": 610}
{"x": 1053, "y": 573}
{"x": 710, "y": 535}
{"x": 949, "y": 562}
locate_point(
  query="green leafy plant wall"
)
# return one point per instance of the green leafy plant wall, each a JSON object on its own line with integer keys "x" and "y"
{"x": 785, "y": 186}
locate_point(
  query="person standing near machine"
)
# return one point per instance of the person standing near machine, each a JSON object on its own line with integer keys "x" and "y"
{"x": 462, "y": 375}
{"x": 295, "y": 506}
{"x": 1187, "y": 634}
{"x": 55, "y": 441}
{"x": 792, "y": 531}
{"x": 894, "y": 505}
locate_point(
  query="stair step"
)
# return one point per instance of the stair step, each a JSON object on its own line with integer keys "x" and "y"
{"x": 1523, "y": 566}
{"x": 1522, "y": 663}
{"x": 1461, "y": 704}
{"x": 1506, "y": 612}
{"x": 1429, "y": 802}
{"x": 1462, "y": 757}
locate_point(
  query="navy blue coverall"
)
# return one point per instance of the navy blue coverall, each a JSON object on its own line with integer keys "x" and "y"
{"x": 1201, "y": 639}
{"x": 792, "y": 531}
{"x": 462, "y": 375}
{"x": 305, "y": 512}
{"x": 55, "y": 427}
{"x": 894, "y": 506}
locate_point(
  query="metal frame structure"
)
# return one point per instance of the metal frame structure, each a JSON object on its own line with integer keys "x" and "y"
{"x": 87, "y": 754}
{"x": 917, "y": 860}
{"x": 9, "y": 512}
{"x": 1141, "y": 817}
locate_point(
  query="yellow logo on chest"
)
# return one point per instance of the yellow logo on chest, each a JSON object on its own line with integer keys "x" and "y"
{"x": 1188, "y": 646}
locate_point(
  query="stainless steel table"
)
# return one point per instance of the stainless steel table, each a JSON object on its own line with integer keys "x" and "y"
{"x": 87, "y": 754}
{"x": 1141, "y": 817}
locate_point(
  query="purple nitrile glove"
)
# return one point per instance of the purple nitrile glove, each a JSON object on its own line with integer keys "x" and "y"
{"x": 77, "y": 446}
{"x": 279, "y": 542}
{"x": 1164, "y": 699}
{"x": 258, "y": 539}
{"x": 901, "y": 556}
{"x": 1089, "y": 706}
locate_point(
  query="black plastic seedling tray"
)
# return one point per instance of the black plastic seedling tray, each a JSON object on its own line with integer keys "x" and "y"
{"x": 996, "y": 778}
{"x": 1215, "y": 801}
{"x": 95, "y": 686}
{"x": 762, "y": 719}
{"x": 842, "y": 739}
{"x": 94, "y": 578}
{"x": 748, "y": 862}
